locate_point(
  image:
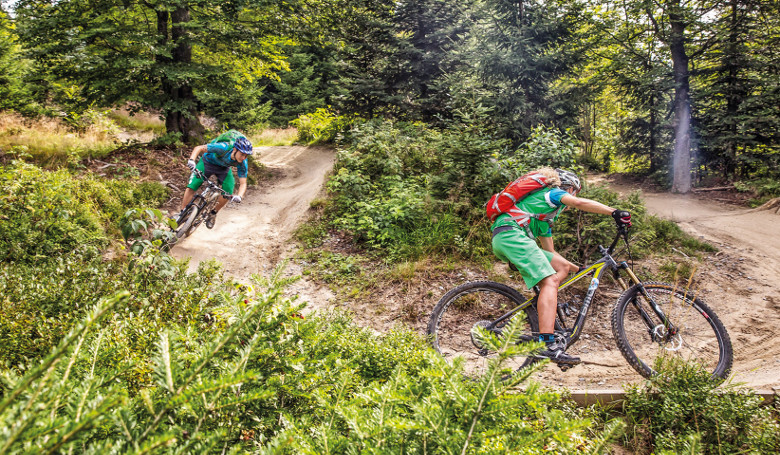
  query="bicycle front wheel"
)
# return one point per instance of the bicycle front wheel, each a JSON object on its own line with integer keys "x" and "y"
{"x": 694, "y": 333}
{"x": 477, "y": 304}
{"x": 186, "y": 222}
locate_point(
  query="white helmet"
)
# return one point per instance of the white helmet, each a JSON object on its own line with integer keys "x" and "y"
{"x": 569, "y": 179}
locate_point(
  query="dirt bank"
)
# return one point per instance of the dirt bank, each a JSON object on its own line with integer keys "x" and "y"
{"x": 739, "y": 282}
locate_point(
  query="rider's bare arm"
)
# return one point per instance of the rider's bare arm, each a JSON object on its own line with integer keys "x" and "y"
{"x": 586, "y": 205}
{"x": 241, "y": 186}
{"x": 197, "y": 151}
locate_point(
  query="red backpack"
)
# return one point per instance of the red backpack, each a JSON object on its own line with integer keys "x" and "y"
{"x": 506, "y": 200}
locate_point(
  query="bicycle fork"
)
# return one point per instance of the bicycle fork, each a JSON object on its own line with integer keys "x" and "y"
{"x": 658, "y": 332}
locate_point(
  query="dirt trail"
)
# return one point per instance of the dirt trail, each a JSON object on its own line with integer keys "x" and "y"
{"x": 254, "y": 237}
{"x": 740, "y": 282}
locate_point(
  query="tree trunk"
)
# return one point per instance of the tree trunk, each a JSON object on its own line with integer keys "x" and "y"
{"x": 681, "y": 159}
{"x": 181, "y": 106}
{"x": 733, "y": 97}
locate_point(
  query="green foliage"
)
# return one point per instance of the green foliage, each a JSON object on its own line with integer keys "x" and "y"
{"x": 44, "y": 214}
{"x": 253, "y": 374}
{"x": 310, "y": 84}
{"x": 147, "y": 228}
{"x": 424, "y": 404}
{"x": 334, "y": 267}
{"x": 177, "y": 59}
{"x": 682, "y": 410}
{"x": 320, "y": 126}
{"x": 763, "y": 189}
{"x": 15, "y": 92}
{"x": 311, "y": 234}
{"x": 243, "y": 109}
{"x": 384, "y": 179}
{"x": 545, "y": 148}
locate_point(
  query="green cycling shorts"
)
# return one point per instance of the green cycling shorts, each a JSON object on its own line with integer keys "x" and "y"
{"x": 228, "y": 181}
{"x": 516, "y": 247}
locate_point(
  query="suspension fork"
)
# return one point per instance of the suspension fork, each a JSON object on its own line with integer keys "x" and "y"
{"x": 671, "y": 328}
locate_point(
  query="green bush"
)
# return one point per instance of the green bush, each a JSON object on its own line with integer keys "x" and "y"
{"x": 261, "y": 378}
{"x": 682, "y": 410}
{"x": 409, "y": 189}
{"x": 44, "y": 214}
{"x": 320, "y": 127}
{"x": 545, "y": 148}
{"x": 40, "y": 302}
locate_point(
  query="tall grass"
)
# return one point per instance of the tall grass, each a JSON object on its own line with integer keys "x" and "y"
{"x": 274, "y": 137}
{"x": 138, "y": 122}
{"x": 49, "y": 141}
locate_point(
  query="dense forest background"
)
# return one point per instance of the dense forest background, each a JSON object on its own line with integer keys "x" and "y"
{"x": 109, "y": 344}
{"x": 685, "y": 90}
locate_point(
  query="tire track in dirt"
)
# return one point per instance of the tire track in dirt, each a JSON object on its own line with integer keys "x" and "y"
{"x": 739, "y": 282}
{"x": 255, "y": 236}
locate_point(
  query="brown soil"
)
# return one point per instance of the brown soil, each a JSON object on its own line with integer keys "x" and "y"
{"x": 738, "y": 282}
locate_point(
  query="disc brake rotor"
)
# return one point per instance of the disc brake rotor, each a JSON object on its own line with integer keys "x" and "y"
{"x": 661, "y": 335}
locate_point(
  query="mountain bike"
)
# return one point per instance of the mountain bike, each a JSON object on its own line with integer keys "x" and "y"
{"x": 649, "y": 320}
{"x": 198, "y": 209}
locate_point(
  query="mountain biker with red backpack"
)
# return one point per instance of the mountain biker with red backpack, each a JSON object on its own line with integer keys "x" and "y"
{"x": 526, "y": 211}
{"x": 229, "y": 149}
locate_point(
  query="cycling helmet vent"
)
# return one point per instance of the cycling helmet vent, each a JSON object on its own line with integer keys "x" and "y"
{"x": 569, "y": 179}
{"x": 243, "y": 145}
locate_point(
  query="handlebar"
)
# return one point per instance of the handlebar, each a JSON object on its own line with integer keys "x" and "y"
{"x": 211, "y": 184}
{"x": 622, "y": 232}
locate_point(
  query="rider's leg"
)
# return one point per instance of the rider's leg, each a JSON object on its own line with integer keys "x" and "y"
{"x": 547, "y": 303}
{"x": 227, "y": 185}
{"x": 562, "y": 267}
{"x": 221, "y": 203}
{"x": 192, "y": 186}
{"x": 188, "y": 194}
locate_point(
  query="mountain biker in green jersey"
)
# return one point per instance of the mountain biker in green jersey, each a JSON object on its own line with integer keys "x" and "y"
{"x": 539, "y": 264}
{"x": 229, "y": 149}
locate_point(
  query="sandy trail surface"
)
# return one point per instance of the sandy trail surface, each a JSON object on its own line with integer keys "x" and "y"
{"x": 254, "y": 237}
{"x": 740, "y": 282}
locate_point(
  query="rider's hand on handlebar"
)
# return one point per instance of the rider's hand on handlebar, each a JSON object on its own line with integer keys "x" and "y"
{"x": 236, "y": 199}
{"x": 191, "y": 164}
{"x": 622, "y": 218}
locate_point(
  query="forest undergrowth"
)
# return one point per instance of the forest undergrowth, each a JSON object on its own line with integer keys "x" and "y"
{"x": 127, "y": 352}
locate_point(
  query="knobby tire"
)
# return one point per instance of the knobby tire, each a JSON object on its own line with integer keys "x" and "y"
{"x": 702, "y": 338}
{"x": 187, "y": 225}
{"x": 455, "y": 315}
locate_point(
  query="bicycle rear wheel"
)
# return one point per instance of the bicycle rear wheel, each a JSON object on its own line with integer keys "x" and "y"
{"x": 698, "y": 335}
{"x": 477, "y": 304}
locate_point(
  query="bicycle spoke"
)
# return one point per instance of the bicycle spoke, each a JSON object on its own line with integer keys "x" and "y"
{"x": 694, "y": 334}
{"x": 456, "y": 318}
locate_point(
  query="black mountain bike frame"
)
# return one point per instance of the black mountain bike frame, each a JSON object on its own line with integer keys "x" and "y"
{"x": 597, "y": 269}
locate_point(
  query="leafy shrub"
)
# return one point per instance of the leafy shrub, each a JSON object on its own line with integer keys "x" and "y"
{"x": 40, "y": 302}
{"x": 409, "y": 189}
{"x": 334, "y": 267}
{"x": 148, "y": 228}
{"x": 320, "y": 127}
{"x": 681, "y": 410}
{"x": 545, "y": 148}
{"x": 262, "y": 378}
{"x": 49, "y": 213}
{"x": 763, "y": 189}
{"x": 44, "y": 214}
